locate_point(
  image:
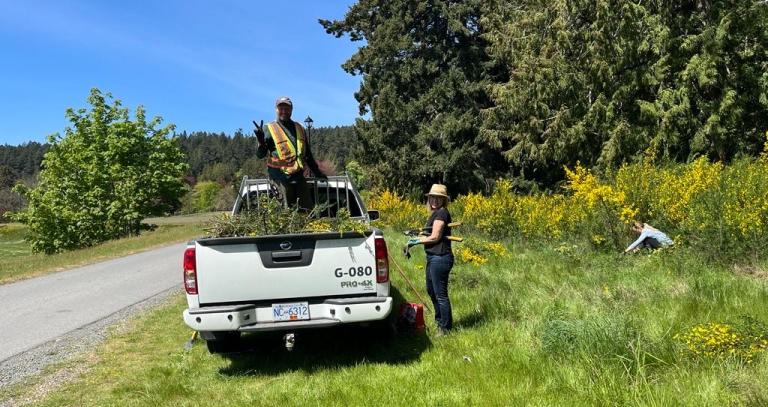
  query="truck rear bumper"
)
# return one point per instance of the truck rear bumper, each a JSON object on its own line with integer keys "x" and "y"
{"x": 249, "y": 317}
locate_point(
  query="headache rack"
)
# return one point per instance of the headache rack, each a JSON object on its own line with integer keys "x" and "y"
{"x": 326, "y": 192}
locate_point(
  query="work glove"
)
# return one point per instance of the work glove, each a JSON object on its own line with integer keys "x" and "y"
{"x": 407, "y": 248}
{"x": 407, "y": 251}
{"x": 259, "y": 131}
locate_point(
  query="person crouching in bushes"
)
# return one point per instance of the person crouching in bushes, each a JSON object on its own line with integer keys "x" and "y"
{"x": 439, "y": 256}
{"x": 650, "y": 237}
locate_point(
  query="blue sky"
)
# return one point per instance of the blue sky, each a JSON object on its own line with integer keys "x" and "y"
{"x": 201, "y": 65}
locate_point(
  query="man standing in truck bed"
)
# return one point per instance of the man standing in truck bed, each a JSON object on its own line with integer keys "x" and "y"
{"x": 289, "y": 154}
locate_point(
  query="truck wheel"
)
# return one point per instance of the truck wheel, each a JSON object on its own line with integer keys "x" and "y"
{"x": 221, "y": 342}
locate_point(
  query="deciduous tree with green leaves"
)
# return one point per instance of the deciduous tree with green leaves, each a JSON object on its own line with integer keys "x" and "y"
{"x": 101, "y": 178}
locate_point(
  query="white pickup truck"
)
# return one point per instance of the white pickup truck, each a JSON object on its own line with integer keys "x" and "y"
{"x": 287, "y": 282}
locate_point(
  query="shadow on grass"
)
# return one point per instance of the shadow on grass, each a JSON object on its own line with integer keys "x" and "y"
{"x": 472, "y": 320}
{"x": 329, "y": 348}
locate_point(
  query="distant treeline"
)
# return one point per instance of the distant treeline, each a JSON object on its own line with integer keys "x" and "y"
{"x": 18, "y": 164}
{"x": 22, "y": 161}
{"x": 214, "y": 156}
{"x": 217, "y": 157}
{"x": 204, "y": 150}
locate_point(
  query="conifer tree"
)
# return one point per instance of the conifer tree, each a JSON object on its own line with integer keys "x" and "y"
{"x": 424, "y": 71}
{"x": 607, "y": 81}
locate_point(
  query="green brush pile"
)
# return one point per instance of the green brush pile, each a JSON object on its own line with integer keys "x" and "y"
{"x": 271, "y": 218}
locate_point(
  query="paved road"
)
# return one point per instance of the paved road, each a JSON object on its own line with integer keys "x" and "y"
{"x": 39, "y": 310}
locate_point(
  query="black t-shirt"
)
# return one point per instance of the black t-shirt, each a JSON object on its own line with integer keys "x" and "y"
{"x": 443, "y": 246}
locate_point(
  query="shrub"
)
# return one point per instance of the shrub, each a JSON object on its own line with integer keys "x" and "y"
{"x": 717, "y": 209}
{"x": 396, "y": 211}
{"x": 271, "y": 218}
{"x": 204, "y": 196}
{"x": 602, "y": 209}
{"x": 746, "y": 339}
{"x": 730, "y": 218}
{"x": 107, "y": 173}
{"x": 477, "y": 251}
{"x": 358, "y": 175}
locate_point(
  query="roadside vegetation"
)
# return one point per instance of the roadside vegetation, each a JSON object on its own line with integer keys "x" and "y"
{"x": 548, "y": 311}
{"x": 79, "y": 201}
{"x": 536, "y": 324}
{"x": 17, "y": 260}
{"x": 720, "y": 211}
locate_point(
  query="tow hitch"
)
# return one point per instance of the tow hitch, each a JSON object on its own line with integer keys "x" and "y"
{"x": 290, "y": 340}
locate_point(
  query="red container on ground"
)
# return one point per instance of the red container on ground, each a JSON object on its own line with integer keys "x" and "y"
{"x": 412, "y": 317}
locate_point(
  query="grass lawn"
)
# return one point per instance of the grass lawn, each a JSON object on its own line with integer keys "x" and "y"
{"x": 537, "y": 326}
{"x": 12, "y": 242}
{"x": 17, "y": 260}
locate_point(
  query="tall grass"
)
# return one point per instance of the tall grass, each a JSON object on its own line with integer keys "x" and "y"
{"x": 540, "y": 325}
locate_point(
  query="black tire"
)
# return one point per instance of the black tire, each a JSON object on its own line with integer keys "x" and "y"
{"x": 221, "y": 342}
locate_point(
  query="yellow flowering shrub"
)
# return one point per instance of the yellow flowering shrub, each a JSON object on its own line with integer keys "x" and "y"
{"x": 720, "y": 209}
{"x": 639, "y": 183}
{"x": 466, "y": 255}
{"x": 544, "y": 216}
{"x": 396, "y": 211}
{"x": 491, "y": 215}
{"x": 602, "y": 207}
{"x": 504, "y": 213}
{"x": 715, "y": 207}
{"x": 319, "y": 225}
{"x": 665, "y": 194}
{"x": 745, "y": 204}
{"x": 478, "y": 252}
{"x": 719, "y": 340}
{"x": 594, "y": 195}
{"x": 497, "y": 249}
{"x": 271, "y": 218}
{"x": 677, "y": 190}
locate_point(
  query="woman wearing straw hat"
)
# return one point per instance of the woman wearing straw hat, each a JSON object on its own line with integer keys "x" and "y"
{"x": 439, "y": 256}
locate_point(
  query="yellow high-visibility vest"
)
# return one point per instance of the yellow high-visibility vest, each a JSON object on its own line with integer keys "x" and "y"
{"x": 289, "y": 157}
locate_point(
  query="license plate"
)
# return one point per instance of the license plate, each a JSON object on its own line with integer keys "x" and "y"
{"x": 296, "y": 311}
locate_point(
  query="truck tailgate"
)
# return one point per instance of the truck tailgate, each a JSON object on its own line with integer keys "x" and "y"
{"x": 285, "y": 267}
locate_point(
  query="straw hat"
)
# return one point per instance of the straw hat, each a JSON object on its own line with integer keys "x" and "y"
{"x": 439, "y": 190}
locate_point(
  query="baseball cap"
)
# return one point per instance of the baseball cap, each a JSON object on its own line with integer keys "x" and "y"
{"x": 284, "y": 100}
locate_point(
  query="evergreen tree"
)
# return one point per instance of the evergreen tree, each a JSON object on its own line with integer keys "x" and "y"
{"x": 23, "y": 159}
{"x": 605, "y": 81}
{"x": 8, "y": 177}
{"x": 423, "y": 70}
{"x": 9, "y": 200}
{"x": 337, "y": 144}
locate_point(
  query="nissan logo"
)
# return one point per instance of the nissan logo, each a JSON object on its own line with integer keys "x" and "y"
{"x": 286, "y": 245}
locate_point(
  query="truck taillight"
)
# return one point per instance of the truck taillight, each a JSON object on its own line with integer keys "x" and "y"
{"x": 190, "y": 271}
{"x": 382, "y": 260}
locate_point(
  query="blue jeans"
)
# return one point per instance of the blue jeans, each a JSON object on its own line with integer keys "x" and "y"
{"x": 438, "y": 269}
{"x": 649, "y": 243}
